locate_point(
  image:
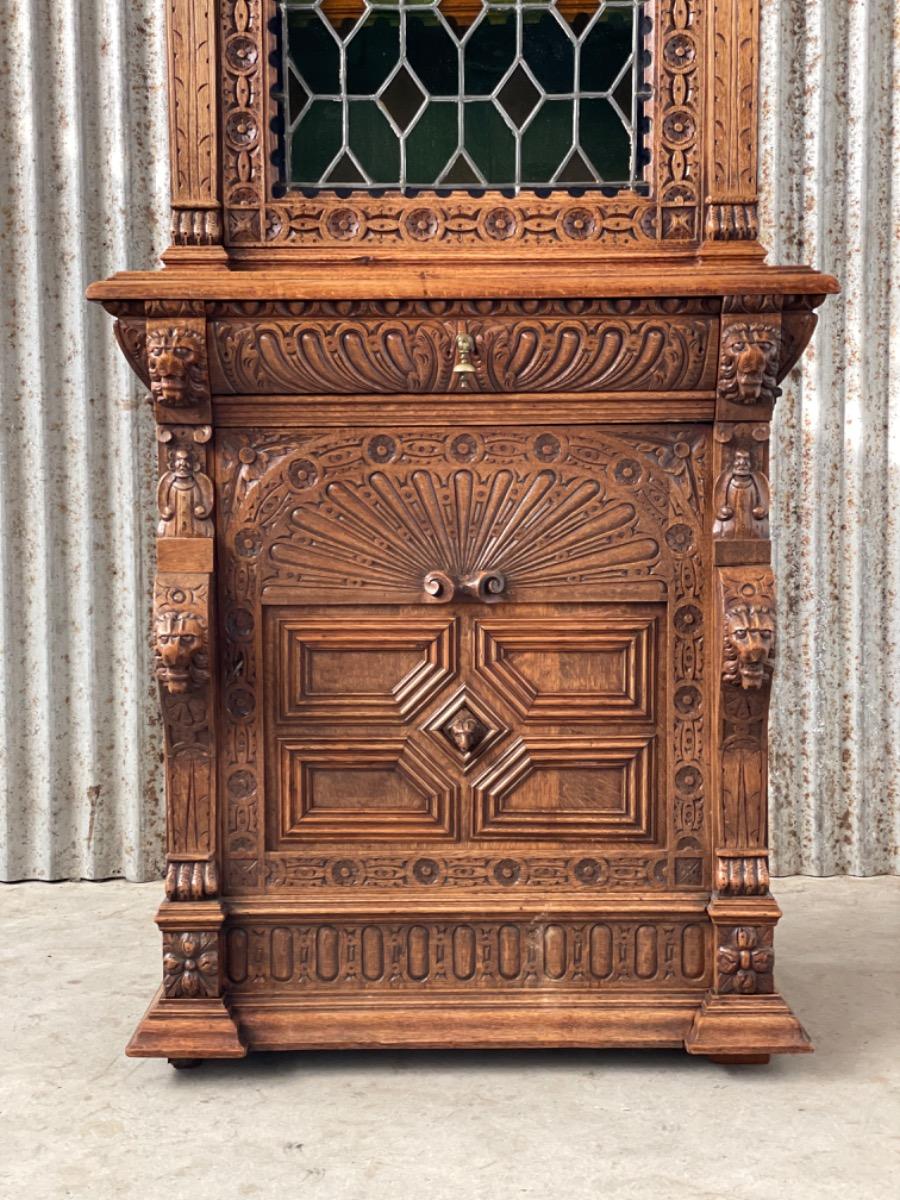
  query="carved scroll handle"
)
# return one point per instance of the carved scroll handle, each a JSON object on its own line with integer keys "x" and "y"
{"x": 486, "y": 587}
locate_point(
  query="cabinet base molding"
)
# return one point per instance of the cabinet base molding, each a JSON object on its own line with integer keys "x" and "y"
{"x": 746, "y": 1026}
{"x": 184, "y": 1030}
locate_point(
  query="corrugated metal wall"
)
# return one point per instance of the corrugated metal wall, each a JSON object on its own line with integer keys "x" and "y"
{"x": 831, "y": 184}
{"x": 83, "y": 191}
{"x": 82, "y": 87}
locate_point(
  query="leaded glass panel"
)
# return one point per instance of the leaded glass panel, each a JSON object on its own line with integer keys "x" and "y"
{"x": 462, "y": 94}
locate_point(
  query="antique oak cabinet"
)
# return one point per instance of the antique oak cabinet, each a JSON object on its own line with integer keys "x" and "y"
{"x": 463, "y": 360}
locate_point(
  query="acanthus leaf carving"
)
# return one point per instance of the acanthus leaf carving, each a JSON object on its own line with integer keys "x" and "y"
{"x": 352, "y": 356}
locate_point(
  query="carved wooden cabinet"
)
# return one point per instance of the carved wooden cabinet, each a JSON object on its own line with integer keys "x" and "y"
{"x": 463, "y": 360}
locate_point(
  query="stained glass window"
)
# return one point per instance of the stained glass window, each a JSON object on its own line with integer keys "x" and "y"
{"x": 462, "y": 94}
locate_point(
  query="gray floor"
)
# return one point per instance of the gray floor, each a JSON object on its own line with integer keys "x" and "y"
{"x": 80, "y": 1120}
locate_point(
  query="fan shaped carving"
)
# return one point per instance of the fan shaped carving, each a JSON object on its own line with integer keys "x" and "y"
{"x": 390, "y": 530}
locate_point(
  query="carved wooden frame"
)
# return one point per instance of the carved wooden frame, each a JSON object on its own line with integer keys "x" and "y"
{"x": 702, "y": 188}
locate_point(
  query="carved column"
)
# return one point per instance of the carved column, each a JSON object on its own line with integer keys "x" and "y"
{"x": 731, "y": 195}
{"x": 193, "y": 125}
{"x": 189, "y": 1018}
{"x": 743, "y": 913}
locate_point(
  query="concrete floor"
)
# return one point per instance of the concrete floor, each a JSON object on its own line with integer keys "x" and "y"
{"x": 80, "y": 961}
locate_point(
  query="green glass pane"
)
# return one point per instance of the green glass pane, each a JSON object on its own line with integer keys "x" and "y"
{"x": 604, "y": 140}
{"x": 314, "y": 53}
{"x": 549, "y": 52}
{"x": 547, "y": 141}
{"x": 373, "y": 141}
{"x": 489, "y": 53}
{"x": 490, "y": 142}
{"x": 431, "y": 51}
{"x": 431, "y": 143}
{"x": 316, "y": 141}
{"x": 605, "y": 50}
{"x": 372, "y": 53}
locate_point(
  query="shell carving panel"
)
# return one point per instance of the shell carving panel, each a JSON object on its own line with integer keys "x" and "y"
{"x": 382, "y": 512}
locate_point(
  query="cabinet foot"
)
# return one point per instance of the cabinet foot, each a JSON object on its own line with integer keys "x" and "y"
{"x": 186, "y": 1031}
{"x": 185, "y": 1064}
{"x": 746, "y": 1028}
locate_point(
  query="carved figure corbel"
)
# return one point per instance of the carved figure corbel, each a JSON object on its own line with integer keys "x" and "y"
{"x": 741, "y": 500}
{"x": 748, "y": 361}
{"x": 185, "y": 497}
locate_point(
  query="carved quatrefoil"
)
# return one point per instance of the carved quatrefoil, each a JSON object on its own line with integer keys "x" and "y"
{"x": 466, "y": 726}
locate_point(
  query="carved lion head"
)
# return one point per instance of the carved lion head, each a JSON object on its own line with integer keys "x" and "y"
{"x": 175, "y": 357}
{"x": 180, "y": 650}
{"x": 465, "y": 731}
{"x": 748, "y": 367}
{"x": 749, "y": 640}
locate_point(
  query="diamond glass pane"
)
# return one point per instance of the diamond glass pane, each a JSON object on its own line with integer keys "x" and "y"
{"x": 463, "y": 94}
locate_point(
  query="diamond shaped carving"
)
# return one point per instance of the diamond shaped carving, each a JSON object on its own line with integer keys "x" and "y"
{"x": 465, "y": 727}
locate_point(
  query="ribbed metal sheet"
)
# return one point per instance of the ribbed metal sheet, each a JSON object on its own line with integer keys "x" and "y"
{"x": 831, "y": 185}
{"x": 85, "y": 155}
{"x": 83, "y": 187}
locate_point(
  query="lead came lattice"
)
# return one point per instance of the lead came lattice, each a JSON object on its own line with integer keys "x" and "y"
{"x": 463, "y": 94}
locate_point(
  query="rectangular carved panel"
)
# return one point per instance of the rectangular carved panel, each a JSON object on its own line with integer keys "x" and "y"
{"x": 569, "y": 787}
{"x": 586, "y": 668}
{"x": 360, "y": 668}
{"x": 433, "y": 955}
{"x": 377, "y": 789}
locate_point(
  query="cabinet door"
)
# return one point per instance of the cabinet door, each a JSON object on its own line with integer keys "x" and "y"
{"x": 473, "y": 650}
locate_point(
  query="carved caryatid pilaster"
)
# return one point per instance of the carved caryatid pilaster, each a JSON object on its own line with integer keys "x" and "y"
{"x": 747, "y": 613}
{"x": 182, "y": 650}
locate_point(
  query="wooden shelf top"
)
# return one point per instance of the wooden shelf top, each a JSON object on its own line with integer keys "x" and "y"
{"x": 197, "y": 278}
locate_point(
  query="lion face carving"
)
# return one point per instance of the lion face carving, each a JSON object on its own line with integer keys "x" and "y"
{"x": 465, "y": 731}
{"x": 176, "y": 360}
{"x": 748, "y": 365}
{"x": 749, "y": 640}
{"x": 180, "y": 650}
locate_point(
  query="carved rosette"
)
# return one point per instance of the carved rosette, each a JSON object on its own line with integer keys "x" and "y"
{"x": 745, "y": 960}
{"x": 190, "y": 964}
